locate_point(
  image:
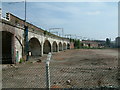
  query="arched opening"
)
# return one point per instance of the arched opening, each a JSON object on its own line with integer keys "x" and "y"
{"x": 35, "y": 47}
{"x": 7, "y": 47}
{"x": 55, "y": 47}
{"x": 46, "y": 47}
{"x": 68, "y": 46}
{"x": 64, "y": 46}
{"x": 89, "y": 45}
{"x": 82, "y": 45}
{"x": 60, "y": 46}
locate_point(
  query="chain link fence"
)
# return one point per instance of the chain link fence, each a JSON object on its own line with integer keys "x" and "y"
{"x": 32, "y": 74}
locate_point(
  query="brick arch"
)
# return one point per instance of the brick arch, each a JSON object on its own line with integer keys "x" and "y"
{"x": 35, "y": 47}
{"x": 60, "y": 46}
{"x": 55, "y": 46}
{"x": 64, "y": 46}
{"x": 29, "y": 37}
{"x": 12, "y": 31}
{"x": 46, "y": 47}
{"x": 68, "y": 45}
{"x": 8, "y": 45}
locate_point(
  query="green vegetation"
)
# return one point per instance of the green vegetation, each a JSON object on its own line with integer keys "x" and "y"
{"x": 108, "y": 42}
{"x": 47, "y": 33}
{"x": 21, "y": 60}
{"x": 72, "y": 40}
{"x": 16, "y": 21}
{"x": 77, "y": 44}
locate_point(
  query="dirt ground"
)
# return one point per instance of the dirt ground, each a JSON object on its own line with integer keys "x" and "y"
{"x": 68, "y": 69}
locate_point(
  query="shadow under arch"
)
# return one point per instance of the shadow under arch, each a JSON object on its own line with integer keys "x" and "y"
{"x": 46, "y": 47}
{"x": 64, "y": 46}
{"x": 55, "y": 46}
{"x": 34, "y": 47}
{"x": 68, "y": 46}
{"x": 7, "y": 47}
{"x": 60, "y": 46}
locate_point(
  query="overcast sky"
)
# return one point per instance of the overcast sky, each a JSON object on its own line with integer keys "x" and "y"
{"x": 98, "y": 20}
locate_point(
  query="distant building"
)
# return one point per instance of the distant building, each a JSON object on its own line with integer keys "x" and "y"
{"x": 102, "y": 43}
{"x": 93, "y": 43}
{"x": 90, "y": 44}
{"x": 113, "y": 44}
{"x": 117, "y": 42}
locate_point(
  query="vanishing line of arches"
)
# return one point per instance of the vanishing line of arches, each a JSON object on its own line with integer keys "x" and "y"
{"x": 35, "y": 47}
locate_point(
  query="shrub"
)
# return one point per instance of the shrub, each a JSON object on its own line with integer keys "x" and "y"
{"x": 21, "y": 60}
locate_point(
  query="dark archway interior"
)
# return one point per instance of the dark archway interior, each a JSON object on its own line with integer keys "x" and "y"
{"x": 7, "y": 47}
{"x": 35, "y": 47}
{"x": 82, "y": 44}
{"x": 60, "y": 46}
{"x": 55, "y": 47}
{"x": 89, "y": 45}
{"x": 46, "y": 47}
{"x": 68, "y": 46}
{"x": 64, "y": 46}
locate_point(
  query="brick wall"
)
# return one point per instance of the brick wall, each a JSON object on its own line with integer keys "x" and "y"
{"x": 71, "y": 45}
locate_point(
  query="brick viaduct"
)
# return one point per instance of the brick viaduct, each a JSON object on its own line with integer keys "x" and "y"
{"x": 40, "y": 41}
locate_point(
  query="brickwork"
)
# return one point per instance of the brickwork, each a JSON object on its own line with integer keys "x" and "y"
{"x": 15, "y": 26}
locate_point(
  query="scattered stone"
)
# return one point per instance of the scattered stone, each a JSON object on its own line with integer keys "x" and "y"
{"x": 54, "y": 83}
{"x": 109, "y": 69}
{"x": 33, "y": 62}
{"x": 68, "y": 82}
{"x": 39, "y": 61}
{"x": 16, "y": 67}
{"x": 12, "y": 65}
{"x": 110, "y": 86}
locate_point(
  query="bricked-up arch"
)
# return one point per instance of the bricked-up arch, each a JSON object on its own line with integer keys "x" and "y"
{"x": 7, "y": 47}
{"x": 35, "y": 47}
{"x": 60, "y": 46}
{"x": 46, "y": 47}
{"x": 68, "y": 46}
{"x": 55, "y": 47}
{"x": 64, "y": 46}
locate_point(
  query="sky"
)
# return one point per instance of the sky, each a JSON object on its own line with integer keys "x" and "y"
{"x": 89, "y": 20}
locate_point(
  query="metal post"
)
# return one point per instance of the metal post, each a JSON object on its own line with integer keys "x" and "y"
{"x": 25, "y": 10}
{"x": 48, "y": 71}
{"x": 26, "y": 36}
{"x": 26, "y": 43}
{"x": 25, "y": 52}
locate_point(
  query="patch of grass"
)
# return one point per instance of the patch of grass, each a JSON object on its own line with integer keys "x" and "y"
{"x": 21, "y": 60}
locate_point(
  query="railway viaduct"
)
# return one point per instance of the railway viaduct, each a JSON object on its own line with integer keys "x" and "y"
{"x": 39, "y": 41}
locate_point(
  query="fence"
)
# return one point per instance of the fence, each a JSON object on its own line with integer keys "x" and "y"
{"x": 62, "y": 75}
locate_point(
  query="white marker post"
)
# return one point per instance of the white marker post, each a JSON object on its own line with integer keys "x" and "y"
{"x": 48, "y": 71}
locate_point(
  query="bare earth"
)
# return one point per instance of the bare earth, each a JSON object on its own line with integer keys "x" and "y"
{"x": 83, "y": 67}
